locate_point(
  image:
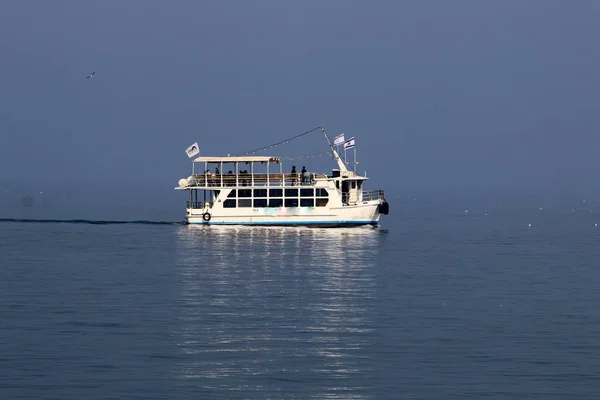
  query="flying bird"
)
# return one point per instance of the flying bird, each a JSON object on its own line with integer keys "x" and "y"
{"x": 89, "y": 76}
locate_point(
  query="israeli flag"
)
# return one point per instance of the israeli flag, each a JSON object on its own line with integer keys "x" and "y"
{"x": 348, "y": 144}
{"x": 339, "y": 139}
{"x": 192, "y": 150}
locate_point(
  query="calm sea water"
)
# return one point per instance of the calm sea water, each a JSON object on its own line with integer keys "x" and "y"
{"x": 438, "y": 303}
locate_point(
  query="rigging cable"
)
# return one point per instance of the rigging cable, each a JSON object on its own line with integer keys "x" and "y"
{"x": 278, "y": 143}
{"x": 306, "y": 156}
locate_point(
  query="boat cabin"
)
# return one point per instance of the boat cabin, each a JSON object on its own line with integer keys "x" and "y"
{"x": 260, "y": 181}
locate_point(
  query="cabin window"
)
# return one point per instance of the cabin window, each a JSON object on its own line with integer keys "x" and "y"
{"x": 260, "y": 203}
{"x": 353, "y": 184}
{"x": 306, "y": 193}
{"x": 275, "y": 202}
{"x": 291, "y": 193}
{"x": 260, "y": 192}
{"x": 359, "y": 184}
{"x": 322, "y": 202}
{"x": 231, "y": 194}
{"x": 291, "y": 202}
{"x": 307, "y": 202}
{"x": 244, "y": 203}
{"x": 245, "y": 193}
{"x": 275, "y": 192}
{"x": 229, "y": 203}
{"x": 322, "y": 192}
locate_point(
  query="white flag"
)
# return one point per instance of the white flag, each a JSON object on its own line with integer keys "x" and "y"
{"x": 348, "y": 144}
{"x": 339, "y": 139}
{"x": 192, "y": 150}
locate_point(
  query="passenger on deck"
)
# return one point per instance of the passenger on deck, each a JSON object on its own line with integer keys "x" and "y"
{"x": 294, "y": 175}
{"x": 243, "y": 178}
{"x": 305, "y": 176}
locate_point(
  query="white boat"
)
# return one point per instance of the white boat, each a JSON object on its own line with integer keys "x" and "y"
{"x": 255, "y": 190}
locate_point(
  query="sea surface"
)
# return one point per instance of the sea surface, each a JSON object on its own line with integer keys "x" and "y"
{"x": 445, "y": 300}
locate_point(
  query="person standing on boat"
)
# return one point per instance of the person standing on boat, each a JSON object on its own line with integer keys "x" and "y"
{"x": 294, "y": 175}
{"x": 305, "y": 175}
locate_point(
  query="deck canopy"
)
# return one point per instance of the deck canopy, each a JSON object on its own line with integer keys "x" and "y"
{"x": 232, "y": 159}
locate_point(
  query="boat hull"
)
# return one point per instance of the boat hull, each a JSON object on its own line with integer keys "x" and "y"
{"x": 366, "y": 214}
{"x": 316, "y": 224}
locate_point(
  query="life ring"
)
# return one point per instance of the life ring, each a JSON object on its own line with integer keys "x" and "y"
{"x": 206, "y": 217}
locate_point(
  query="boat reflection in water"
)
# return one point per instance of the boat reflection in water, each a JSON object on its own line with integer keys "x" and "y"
{"x": 277, "y": 310}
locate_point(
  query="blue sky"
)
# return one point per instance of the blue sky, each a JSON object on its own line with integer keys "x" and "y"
{"x": 483, "y": 94}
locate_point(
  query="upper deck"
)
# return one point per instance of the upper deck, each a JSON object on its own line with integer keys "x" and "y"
{"x": 253, "y": 171}
{"x": 253, "y": 180}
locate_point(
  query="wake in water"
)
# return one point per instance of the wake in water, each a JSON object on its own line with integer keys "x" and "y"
{"x": 91, "y": 222}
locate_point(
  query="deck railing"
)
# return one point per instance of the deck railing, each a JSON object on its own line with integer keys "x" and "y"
{"x": 372, "y": 195}
{"x": 228, "y": 180}
{"x": 199, "y": 204}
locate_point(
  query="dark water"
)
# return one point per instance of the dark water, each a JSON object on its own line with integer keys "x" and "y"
{"x": 439, "y": 303}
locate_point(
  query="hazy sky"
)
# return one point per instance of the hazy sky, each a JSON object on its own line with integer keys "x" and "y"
{"x": 437, "y": 93}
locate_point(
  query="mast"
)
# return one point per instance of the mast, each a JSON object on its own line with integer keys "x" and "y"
{"x": 336, "y": 156}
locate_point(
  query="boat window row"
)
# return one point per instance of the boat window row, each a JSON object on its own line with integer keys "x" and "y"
{"x": 274, "y": 202}
{"x": 287, "y": 193}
